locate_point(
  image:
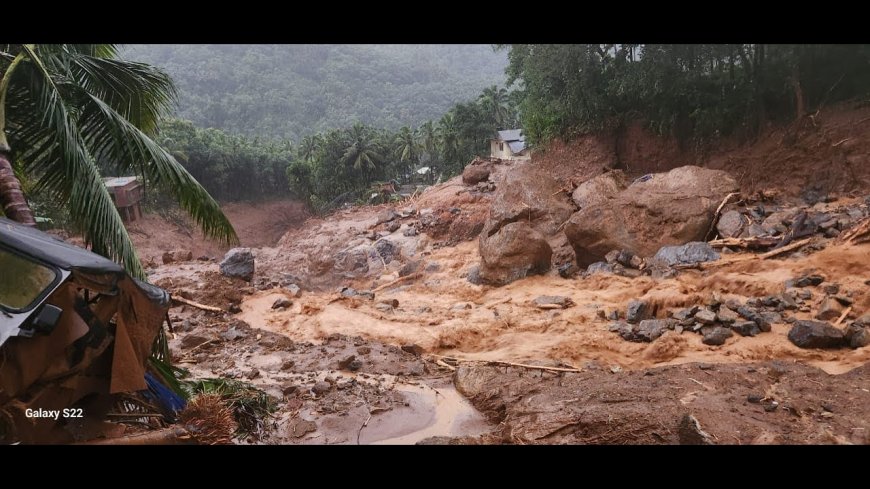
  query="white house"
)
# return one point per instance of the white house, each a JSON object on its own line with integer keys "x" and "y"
{"x": 509, "y": 145}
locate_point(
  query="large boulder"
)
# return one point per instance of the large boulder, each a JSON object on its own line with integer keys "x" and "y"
{"x": 529, "y": 194}
{"x": 670, "y": 208}
{"x": 238, "y": 262}
{"x": 353, "y": 262}
{"x": 476, "y": 172}
{"x": 857, "y": 335}
{"x": 386, "y": 249}
{"x": 514, "y": 251}
{"x": 599, "y": 189}
{"x": 816, "y": 334}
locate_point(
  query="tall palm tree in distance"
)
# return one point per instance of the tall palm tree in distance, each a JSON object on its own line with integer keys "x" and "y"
{"x": 363, "y": 153}
{"x": 494, "y": 102}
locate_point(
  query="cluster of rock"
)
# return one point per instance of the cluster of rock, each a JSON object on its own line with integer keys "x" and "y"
{"x": 760, "y": 220}
{"x": 719, "y": 320}
{"x": 715, "y": 321}
{"x": 656, "y": 223}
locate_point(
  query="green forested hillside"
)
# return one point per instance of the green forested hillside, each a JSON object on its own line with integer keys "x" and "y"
{"x": 692, "y": 91}
{"x": 289, "y": 91}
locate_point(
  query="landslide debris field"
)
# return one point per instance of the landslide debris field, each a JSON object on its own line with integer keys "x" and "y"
{"x": 561, "y": 300}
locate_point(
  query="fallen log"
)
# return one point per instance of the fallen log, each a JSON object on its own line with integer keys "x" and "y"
{"x": 746, "y": 243}
{"x": 763, "y": 256}
{"x": 197, "y": 305}
{"x": 785, "y": 249}
{"x": 398, "y": 281}
{"x": 512, "y": 364}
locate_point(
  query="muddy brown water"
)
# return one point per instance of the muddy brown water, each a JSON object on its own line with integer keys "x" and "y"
{"x": 431, "y": 412}
{"x": 427, "y": 412}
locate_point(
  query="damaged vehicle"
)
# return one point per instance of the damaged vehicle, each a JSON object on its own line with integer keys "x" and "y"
{"x": 76, "y": 330}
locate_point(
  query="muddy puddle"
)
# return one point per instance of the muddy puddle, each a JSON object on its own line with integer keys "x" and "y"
{"x": 432, "y": 412}
{"x": 418, "y": 411}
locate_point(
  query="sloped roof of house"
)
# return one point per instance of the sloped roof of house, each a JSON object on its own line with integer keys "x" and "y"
{"x": 514, "y": 139}
{"x": 118, "y": 181}
{"x": 511, "y": 135}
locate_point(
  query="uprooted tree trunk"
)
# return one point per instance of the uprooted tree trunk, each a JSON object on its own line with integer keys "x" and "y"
{"x": 11, "y": 198}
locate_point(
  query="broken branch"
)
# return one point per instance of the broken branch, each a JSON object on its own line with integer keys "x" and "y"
{"x": 398, "y": 281}
{"x": 858, "y": 231}
{"x": 196, "y": 304}
{"x": 512, "y": 364}
{"x": 784, "y": 249}
{"x": 716, "y": 214}
{"x": 168, "y": 436}
{"x": 445, "y": 365}
{"x": 500, "y": 301}
{"x": 843, "y": 316}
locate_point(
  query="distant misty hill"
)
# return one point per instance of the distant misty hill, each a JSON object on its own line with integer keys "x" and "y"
{"x": 294, "y": 90}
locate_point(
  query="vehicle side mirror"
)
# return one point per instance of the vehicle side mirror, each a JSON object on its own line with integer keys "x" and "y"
{"x": 46, "y": 320}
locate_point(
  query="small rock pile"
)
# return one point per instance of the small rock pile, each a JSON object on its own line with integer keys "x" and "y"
{"x": 718, "y": 320}
{"x": 626, "y": 264}
{"x": 715, "y": 321}
{"x": 760, "y": 220}
{"x": 619, "y": 262}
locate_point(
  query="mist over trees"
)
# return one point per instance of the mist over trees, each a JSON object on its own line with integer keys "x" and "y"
{"x": 326, "y": 122}
{"x": 290, "y": 91}
{"x": 344, "y": 162}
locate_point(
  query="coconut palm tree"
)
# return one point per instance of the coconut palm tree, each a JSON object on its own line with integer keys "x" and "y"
{"x": 407, "y": 148}
{"x": 65, "y": 107}
{"x": 494, "y": 102}
{"x": 448, "y": 138}
{"x": 308, "y": 147}
{"x": 363, "y": 153}
{"x": 427, "y": 137}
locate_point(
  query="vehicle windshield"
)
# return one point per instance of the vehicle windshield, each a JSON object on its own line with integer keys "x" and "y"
{"x": 22, "y": 281}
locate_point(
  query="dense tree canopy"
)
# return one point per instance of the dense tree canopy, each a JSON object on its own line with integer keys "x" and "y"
{"x": 231, "y": 167}
{"x": 345, "y": 162}
{"x": 291, "y": 91}
{"x": 340, "y": 163}
{"x": 691, "y": 90}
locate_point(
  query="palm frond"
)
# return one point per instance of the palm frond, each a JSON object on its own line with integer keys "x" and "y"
{"x": 140, "y": 93}
{"x": 56, "y": 151}
{"x": 71, "y": 107}
{"x": 111, "y": 137}
{"x": 168, "y": 374}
